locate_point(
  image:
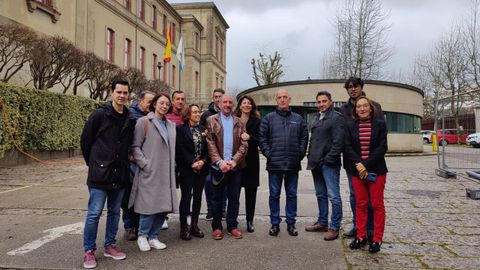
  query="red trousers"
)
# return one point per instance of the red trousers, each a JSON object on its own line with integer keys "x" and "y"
{"x": 361, "y": 189}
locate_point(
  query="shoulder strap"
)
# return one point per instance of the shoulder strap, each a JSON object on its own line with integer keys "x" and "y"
{"x": 145, "y": 127}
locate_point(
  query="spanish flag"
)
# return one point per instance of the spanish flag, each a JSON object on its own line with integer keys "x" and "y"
{"x": 168, "y": 49}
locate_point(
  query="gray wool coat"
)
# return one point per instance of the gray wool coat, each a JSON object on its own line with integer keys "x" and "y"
{"x": 154, "y": 188}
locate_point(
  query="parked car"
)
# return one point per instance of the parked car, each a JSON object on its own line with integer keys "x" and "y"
{"x": 474, "y": 140}
{"x": 451, "y": 136}
{"x": 427, "y": 135}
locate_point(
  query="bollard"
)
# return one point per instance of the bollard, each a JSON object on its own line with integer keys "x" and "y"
{"x": 434, "y": 143}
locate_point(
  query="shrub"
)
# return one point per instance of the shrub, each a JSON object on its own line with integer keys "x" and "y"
{"x": 40, "y": 120}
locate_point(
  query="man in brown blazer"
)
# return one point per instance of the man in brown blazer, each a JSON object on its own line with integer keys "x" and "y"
{"x": 227, "y": 151}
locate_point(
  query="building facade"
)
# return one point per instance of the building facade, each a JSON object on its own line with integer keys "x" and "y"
{"x": 402, "y": 105}
{"x": 133, "y": 33}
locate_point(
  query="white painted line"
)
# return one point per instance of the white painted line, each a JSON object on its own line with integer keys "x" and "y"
{"x": 15, "y": 189}
{"x": 52, "y": 234}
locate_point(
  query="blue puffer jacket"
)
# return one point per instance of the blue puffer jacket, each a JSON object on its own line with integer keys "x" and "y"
{"x": 283, "y": 139}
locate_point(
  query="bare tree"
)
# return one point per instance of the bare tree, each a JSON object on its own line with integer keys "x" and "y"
{"x": 267, "y": 69}
{"x": 79, "y": 71}
{"x": 15, "y": 43}
{"x": 136, "y": 79}
{"x": 51, "y": 61}
{"x": 158, "y": 86}
{"x": 361, "y": 47}
{"x": 102, "y": 75}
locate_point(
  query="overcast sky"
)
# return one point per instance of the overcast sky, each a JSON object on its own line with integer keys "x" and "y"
{"x": 302, "y": 31}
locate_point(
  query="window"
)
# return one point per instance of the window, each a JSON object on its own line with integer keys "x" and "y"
{"x": 173, "y": 33}
{"x": 221, "y": 51}
{"x": 127, "y": 53}
{"x": 154, "y": 17}
{"x": 216, "y": 82}
{"x": 110, "y": 45}
{"x": 165, "y": 72}
{"x": 142, "y": 60}
{"x": 46, "y": 2}
{"x": 196, "y": 84}
{"x": 164, "y": 31}
{"x": 402, "y": 123}
{"x": 173, "y": 75}
{"x": 154, "y": 66}
{"x": 128, "y": 4}
{"x": 197, "y": 42}
{"x": 216, "y": 46}
{"x": 141, "y": 9}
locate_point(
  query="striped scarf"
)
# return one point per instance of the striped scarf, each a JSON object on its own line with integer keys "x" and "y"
{"x": 365, "y": 134}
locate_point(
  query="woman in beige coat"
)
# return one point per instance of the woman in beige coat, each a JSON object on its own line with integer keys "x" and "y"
{"x": 153, "y": 192}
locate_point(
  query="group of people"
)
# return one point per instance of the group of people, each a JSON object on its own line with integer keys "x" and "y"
{"x": 138, "y": 156}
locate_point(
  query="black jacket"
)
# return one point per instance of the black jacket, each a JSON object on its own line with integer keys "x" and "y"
{"x": 347, "y": 109}
{"x": 211, "y": 111}
{"x": 250, "y": 174}
{"x": 185, "y": 152}
{"x": 327, "y": 139}
{"x": 283, "y": 139}
{"x": 378, "y": 147}
{"x": 105, "y": 140}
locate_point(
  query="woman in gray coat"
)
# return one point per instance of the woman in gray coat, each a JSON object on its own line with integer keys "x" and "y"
{"x": 153, "y": 192}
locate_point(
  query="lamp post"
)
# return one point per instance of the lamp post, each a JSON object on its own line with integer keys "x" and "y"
{"x": 159, "y": 66}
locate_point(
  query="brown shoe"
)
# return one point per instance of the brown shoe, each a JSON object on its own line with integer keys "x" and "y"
{"x": 331, "y": 235}
{"x": 317, "y": 227}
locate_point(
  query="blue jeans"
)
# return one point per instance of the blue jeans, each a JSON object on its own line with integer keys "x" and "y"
{"x": 150, "y": 225}
{"x": 209, "y": 195}
{"x": 327, "y": 185}
{"x": 231, "y": 183}
{"x": 96, "y": 202}
{"x": 275, "y": 185}
{"x": 352, "y": 205}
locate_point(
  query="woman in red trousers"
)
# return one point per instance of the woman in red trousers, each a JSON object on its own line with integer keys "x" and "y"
{"x": 365, "y": 148}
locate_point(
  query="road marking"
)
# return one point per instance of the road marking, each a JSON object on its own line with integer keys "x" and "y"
{"x": 52, "y": 234}
{"x": 15, "y": 189}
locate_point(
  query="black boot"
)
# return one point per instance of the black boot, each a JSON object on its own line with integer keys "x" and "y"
{"x": 184, "y": 230}
{"x": 358, "y": 243}
{"x": 195, "y": 230}
{"x": 291, "y": 229}
{"x": 274, "y": 230}
{"x": 250, "y": 226}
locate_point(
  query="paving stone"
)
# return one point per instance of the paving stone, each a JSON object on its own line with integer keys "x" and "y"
{"x": 384, "y": 261}
{"x": 414, "y": 249}
{"x": 465, "y": 251}
{"x": 451, "y": 262}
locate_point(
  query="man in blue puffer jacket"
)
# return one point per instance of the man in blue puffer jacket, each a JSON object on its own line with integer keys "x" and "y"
{"x": 283, "y": 138}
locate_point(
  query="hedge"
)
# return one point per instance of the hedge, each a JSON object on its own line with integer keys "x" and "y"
{"x": 41, "y": 120}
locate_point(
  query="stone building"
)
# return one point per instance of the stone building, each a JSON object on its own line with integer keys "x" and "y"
{"x": 133, "y": 33}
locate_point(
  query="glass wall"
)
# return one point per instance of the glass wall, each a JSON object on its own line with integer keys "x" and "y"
{"x": 402, "y": 123}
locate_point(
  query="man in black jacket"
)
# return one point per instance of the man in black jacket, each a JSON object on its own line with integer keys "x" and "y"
{"x": 326, "y": 145}
{"x": 105, "y": 140}
{"x": 283, "y": 138}
{"x": 354, "y": 87}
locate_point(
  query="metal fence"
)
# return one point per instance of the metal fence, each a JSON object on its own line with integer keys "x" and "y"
{"x": 454, "y": 155}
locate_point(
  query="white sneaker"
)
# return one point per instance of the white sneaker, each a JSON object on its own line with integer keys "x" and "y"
{"x": 156, "y": 244}
{"x": 189, "y": 220}
{"x": 143, "y": 244}
{"x": 165, "y": 225}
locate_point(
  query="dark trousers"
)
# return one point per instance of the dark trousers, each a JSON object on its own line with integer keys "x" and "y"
{"x": 231, "y": 182}
{"x": 191, "y": 187}
{"x": 250, "y": 201}
{"x": 131, "y": 220}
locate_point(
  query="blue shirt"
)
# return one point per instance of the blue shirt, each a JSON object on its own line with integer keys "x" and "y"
{"x": 227, "y": 124}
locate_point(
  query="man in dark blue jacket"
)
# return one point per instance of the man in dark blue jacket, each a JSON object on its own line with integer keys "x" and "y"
{"x": 326, "y": 145}
{"x": 283, "y": 138}
{"x": 105, "y": 141}
{"x": 139, "y": 108}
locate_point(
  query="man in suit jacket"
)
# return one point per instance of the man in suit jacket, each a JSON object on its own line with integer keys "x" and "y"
{"x": 326, "y": 145}
{"x": 227, "y": 151}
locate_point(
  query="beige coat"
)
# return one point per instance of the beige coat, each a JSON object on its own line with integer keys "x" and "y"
{"x": 153, "y": 188}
